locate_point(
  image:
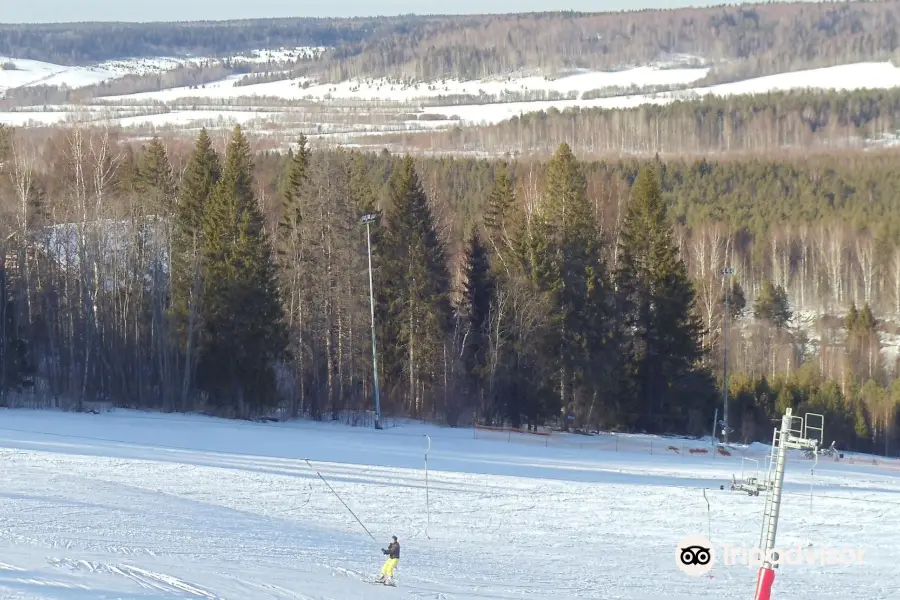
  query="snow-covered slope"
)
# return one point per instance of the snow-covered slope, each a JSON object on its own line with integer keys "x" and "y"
{"x": 379, "y": 105}
{"x": 33, "y": 72}
{"x": 843, "y": 77}
{"x": 139, "y": 506}
{"x": 383, "y": 89}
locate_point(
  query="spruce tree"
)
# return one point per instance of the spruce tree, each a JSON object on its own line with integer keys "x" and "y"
{"x": 16, "y": 367}
{"x": 155, "y": 181}
{"x": 299, "y": 242}
{"x": 244, "y": 333}
{"x": 573, "y": 273}
{"x": 662, "y": 376}
{"x": 289, "y": 236}
{"x": 200, "y": 177}
{"x": 128, "y": 174}
{"x": 475, "y": 308}
{"x": 417, "y": 301}
{"x": 499, "y": 210}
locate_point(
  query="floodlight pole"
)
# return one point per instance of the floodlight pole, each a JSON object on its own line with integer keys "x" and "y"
{"x": 368, "y": 219}
{"x": 727, "y": 272}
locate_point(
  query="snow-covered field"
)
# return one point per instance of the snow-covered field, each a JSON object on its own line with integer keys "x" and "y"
{"x": 356, "y": 107}
{"x": 143, "y": 506}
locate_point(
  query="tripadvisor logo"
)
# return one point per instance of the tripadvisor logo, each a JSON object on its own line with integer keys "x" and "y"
{"x": 695, "y": 556}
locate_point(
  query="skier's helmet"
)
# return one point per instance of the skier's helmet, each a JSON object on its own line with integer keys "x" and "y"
{"x": 394, "y": 537}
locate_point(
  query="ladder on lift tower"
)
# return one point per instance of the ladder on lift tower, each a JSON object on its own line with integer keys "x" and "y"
{"x": 790, "y": 436}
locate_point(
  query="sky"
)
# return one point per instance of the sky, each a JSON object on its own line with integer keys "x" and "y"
{"x": 48, "y": 11}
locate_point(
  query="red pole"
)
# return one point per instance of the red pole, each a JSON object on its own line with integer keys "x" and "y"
{"x": 764, "y": 584}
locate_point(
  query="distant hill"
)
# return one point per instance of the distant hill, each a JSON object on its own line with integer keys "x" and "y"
{"x": 741, "y": 41}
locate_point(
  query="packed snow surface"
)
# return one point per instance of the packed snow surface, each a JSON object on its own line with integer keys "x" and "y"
{"x": 143, "y": 506}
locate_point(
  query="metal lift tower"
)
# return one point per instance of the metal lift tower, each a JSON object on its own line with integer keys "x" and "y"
{"x": 791, "y": 435}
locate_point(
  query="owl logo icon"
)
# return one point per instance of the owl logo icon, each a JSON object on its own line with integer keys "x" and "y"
{"x": 695, "y": 556}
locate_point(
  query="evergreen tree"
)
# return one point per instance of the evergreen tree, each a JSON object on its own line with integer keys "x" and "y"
{"x": 155, "y": 181}
{"x": 499, "y": 210}
{"x": 5, "y": 143}
{"x": 418, "y": 310}
{"x": 475, "y": 308}
{"x": 524, "y": 384}
{"x": 289, "y": 239}
{"x": 772, "y": 305}
{"x": 16, "y": 368}
{"x": 292, "y": 252}
{"x": 573, "y": 273}
{"x": 243, "y": 329}
{"x": 863, "y": 348}
{"x": 39, "y": 214}
{"x": 737, "y": 301}
{"x": 661, "y": 330}
{"x": 200, "y": 177}
{"x": 128, "y": 173}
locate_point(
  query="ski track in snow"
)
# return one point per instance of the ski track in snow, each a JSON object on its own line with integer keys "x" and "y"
{"x": 129, "y": 505}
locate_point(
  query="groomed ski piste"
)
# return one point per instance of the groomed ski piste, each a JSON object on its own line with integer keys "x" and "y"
{"x": 148, "y": 506}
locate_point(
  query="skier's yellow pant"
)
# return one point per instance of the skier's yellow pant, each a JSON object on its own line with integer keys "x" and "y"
{"x": 388, "y": 569}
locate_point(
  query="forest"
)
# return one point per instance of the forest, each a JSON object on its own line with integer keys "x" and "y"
{"x": 204, "y": 275}
{"x": 787, "y": 122}
{"x": 739, "y": 41}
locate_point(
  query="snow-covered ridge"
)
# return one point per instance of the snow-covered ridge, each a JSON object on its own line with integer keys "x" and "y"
{"x": 16, "y": 72}
{"x": 23, "y": 72}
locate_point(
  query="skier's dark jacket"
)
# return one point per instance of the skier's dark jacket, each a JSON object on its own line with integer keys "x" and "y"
{"x": 393, "y": 550}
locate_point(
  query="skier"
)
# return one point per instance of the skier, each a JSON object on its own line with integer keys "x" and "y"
{"x": 393, "y": 554}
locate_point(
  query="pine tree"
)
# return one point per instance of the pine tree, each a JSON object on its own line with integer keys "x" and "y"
{"x": 244, "y": 333}
{"x": 658, "y": 322}
{"x": 772, "y": 305}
